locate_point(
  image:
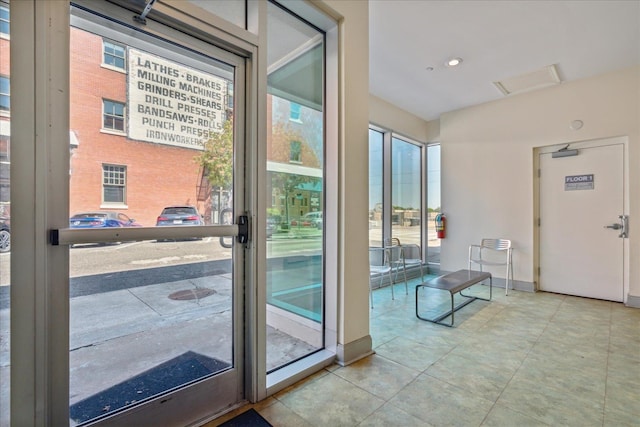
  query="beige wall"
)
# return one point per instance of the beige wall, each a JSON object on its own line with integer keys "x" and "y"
{"x": 388, "y": 116}
{"x": 487, "y": 161}
{"x": 353, "y": 176}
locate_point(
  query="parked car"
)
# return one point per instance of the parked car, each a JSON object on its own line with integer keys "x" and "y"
{"x": 179, "y": 215}
{"x": 101, "y": 219}
{"x": 272, "y": 225}
{"x": 5, "y": 235}
{"x": 312, "y": 219}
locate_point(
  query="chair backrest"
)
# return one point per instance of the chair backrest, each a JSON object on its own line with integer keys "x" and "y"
{"x": 496, "y": 244}
{"x": 393, "y": 249}
{"x": 376, "y": 257}
{"x": 392, "y": 241}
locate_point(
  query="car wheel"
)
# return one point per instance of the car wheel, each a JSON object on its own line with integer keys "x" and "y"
{"x": 5, "y": 241}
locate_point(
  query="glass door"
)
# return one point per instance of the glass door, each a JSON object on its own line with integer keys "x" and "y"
{"x": 156, "y": 268}
{"x": 295, "y": 185}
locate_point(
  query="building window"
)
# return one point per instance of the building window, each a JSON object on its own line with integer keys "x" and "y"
{"x": 376, "y": 190}
{"x": 295, "y": 151}
{"x": 230, "y": 96}
{"x": 113, "y": 115}
{"x": 113, "y": 54}
{"x": 398, "y": 169}
{"x": 4, "y": 94}
{"x": 294, "y": 112}
{"x": 4, "y": 21}
{"x": 433, "y": 201}
{"x": 406, "y": 191}
{"x": 5, "y": 166}
{"x": 114, "y": 184}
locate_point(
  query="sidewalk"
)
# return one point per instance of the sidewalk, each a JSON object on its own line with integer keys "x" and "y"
{"x": 119, "y": 334}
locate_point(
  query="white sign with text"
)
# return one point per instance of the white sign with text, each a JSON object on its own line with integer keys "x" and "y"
{"x": 173, "y": 104}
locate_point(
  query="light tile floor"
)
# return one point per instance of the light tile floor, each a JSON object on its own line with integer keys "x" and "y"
{"x": 529, "y": 359}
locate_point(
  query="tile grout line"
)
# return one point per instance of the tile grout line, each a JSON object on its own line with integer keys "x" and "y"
{"x": 606, "y": 372}
{"x": 520, "y": 366}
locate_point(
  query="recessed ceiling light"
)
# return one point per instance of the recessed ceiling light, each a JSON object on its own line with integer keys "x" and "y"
{"x": 453, "y": 62}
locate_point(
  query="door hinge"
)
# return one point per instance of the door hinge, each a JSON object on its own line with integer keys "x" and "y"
{"x": 538, "y": 222}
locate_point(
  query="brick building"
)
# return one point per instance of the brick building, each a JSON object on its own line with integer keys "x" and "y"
{"x": 125, "y": 158}
{"x": 131, "y": 149}
{"x": 5, "y": 154}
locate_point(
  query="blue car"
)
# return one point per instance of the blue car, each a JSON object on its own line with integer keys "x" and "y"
{"x": 101, "y": 219}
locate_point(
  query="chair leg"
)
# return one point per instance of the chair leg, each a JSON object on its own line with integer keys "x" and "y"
{"x": 510, "y": 271}
{"x": 506, "y": 283}
{"x": 390, "y": 284}
{"x": 506, "y": 279}
{"x": 370, "y": 293}
{"x": 404, "y": 271}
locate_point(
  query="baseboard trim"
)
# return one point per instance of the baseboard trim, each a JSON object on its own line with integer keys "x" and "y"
{"x": 633, "y": 301}
{"x": 354, "y": 351}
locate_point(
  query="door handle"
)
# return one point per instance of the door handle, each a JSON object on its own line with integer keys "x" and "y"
{"x": 623, "y": 226}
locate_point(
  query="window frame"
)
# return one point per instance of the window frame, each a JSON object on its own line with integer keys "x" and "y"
{"x": 7, "y": 94}
{"x": 388, "y": 136}
{"x": 298, "y": 158}
{"x": 295, "y": 112}
{"x": 114, "y": 67}
{"x": 122, "y": 175}
{"x": 3, "y": 21}
{"x": 112, "y": 116}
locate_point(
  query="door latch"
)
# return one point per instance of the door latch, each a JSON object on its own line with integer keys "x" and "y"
{"x": 623, "y": 226}
{"x": 243, "y": 229}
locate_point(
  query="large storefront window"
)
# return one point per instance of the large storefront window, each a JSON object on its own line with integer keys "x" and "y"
{"x": 406, "y": 191}
{"x": 404, "y": 181}
{"x": 295, "y": 183}
{"x": 376, "y": 194}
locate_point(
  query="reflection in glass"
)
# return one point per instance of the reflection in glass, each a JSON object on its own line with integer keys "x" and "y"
{"x": 295, "y": 162}
{"x": 433, "y": 202}
{"x": 5, "y": 213}
{"x": 375, "y": 187}
{"x": 234, "y": 11}
{"x": 148, "y": 317}
{"x": 406, "y": 191}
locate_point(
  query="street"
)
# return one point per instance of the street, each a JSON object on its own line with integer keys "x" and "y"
{"x": 86, "y": 260}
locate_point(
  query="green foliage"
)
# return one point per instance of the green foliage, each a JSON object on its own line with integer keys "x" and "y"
{"x": 217, "y": 157}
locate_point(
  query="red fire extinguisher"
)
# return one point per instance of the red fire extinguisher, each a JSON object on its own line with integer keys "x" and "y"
{"x": 441, "y": 226}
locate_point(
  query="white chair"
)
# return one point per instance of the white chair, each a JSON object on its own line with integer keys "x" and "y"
{"x": 396, "y": 260}
{"x": 379, "y": 265}
{"x": 411, "y": 249}
{"x": 493, "y": 252}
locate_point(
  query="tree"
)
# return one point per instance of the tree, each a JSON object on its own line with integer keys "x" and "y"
{"x": 279, "y": 151}
{"x": 217, "y": 157}
{"x": 288, "y": 183}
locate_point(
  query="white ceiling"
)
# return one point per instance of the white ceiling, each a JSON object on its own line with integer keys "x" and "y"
{"x": 497, "y": 40}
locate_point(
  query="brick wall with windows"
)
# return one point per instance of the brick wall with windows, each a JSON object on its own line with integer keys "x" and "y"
{"x": 157, "y": 175}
